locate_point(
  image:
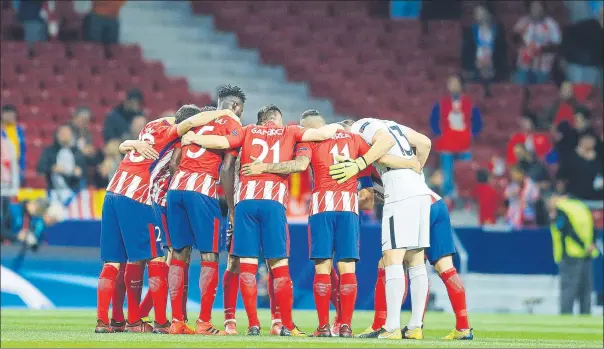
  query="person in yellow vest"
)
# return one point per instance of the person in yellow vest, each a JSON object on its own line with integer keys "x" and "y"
{"x": 573, "y": 240}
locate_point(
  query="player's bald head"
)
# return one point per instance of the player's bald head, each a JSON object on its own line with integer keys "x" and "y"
{"x": 347, "y": 124}
{"x": 312, "y": 119}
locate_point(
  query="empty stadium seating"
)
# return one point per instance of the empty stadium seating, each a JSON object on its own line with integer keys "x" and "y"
{"x": 47, "y": 82}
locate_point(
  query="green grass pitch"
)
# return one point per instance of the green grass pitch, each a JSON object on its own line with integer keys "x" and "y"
{"x": 75, "y": 328}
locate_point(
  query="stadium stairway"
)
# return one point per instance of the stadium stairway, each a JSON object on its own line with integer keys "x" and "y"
{"x": 190, "y": 46}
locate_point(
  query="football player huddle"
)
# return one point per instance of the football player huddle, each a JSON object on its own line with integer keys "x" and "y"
{"x": 162, "y": 203}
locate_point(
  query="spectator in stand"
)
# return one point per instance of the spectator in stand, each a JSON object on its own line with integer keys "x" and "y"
{"x": 522, "y": 195}
{"x": 581, "y": 51}
{"x": 581, "y": 174}
{"x": 538, "y": 36}
{"x": 534, "y": 141}
{"x": 108, "y": 162}
{"x": 454, "y": 120}
{"x": 561, "y": 109}
{"x": 117, "y": 122}
{"x": 80, "y": 125}
{"x": 136, "y": 126}
{"x": 567, "y": 137}
{"x": 29, "y": 14}
{"x": 484, "y": 49}
{"x": 102, "y": 23}
{"x": 62, "y": 163}
{"x": 535, "y": 169}
{"x": 13, "y": 131}
{"x": 488, "y": 198}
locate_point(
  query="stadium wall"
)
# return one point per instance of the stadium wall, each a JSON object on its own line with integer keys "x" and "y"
{"x": 66, "y": 270}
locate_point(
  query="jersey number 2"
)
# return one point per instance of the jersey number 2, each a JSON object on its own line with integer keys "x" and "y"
{"x": 274, "y": 149}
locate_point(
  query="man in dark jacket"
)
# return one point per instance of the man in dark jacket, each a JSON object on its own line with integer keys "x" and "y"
{"x": 117, "y": 122}
{"x": 34, "y": 26}
{"x": 62, "y": 163}
{"x": 582, "y": 51}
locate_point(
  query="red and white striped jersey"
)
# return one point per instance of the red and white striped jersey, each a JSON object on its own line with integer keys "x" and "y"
{"x": 325, "y": 201}
{"x": 135, "y": 175}
{"x": 161, "y": 183}
{"x": 268, "y": 143}
{"x": 194, "y": 181}
{"x": 327, "y": 194}
{"x": 199, "y": 167}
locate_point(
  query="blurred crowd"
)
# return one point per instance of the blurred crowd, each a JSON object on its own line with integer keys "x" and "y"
{"x": 556, "y": 149}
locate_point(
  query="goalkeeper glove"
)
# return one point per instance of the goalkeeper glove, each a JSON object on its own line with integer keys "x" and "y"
{"x": 346, "y": 168}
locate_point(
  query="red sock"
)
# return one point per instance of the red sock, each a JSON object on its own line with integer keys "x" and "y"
{"x": 208, "y": 282}
{"x": 176, "y": 284}
{"x": 119, "y": 293}
{"x": 275, "y": 313}
{"x": 348, "y": 296}
{"x": 284, "y": 292}
{"x": 457, "y": 296}
{"x": 322, "y": 290}
{"x": 105, "y": 291}
{"x": 230, "y": 288}
{"x": 249, "y": 291}
{"x": 133, "y": 277}
{"x": 146, "y": 305}
{"x": 185, "y": 290}
{"x": 379, "y": 301}
{"x": 335, "y": 293}
{"x": 158, "y": 287}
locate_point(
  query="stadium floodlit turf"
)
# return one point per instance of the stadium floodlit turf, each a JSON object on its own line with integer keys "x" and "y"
{"x": 75, "y": 328}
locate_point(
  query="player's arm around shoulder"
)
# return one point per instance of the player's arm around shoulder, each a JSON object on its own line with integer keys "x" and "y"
{"x": 299, "y": 164}
{"x": 422, "y": 144}
{"x": 233, "y": 139}
{"x": 321, "y": 133}
{"x": 141, "y": 147}
{"x": 203, "y": 118}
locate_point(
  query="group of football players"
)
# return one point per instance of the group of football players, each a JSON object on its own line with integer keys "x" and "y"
{"x": 164, "y": 194}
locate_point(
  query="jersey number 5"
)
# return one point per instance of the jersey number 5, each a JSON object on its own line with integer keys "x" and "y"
{"x": 274, "y": 149}
{"x": 195, "y": 154}
{"x": 335, "y": 152}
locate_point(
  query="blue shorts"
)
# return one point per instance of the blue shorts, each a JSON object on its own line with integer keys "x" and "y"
{"x": 193, "y": 220}
{"x": 161, "y": 216}
{"x": 441, "y": 233}
{"x": 334, "y": 235}
{"x": 128, "y": 230}
{"x": 260, "y": 224}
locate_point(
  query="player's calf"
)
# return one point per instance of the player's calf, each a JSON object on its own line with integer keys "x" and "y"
{"x": 348, "y": 295}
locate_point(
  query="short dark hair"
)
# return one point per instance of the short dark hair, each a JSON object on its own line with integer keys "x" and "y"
{"x": 267, "y": 112}
{"x": 208, "y": 108}
{"x": 134, "y": 94}
{"x": 9, "y": 108}
{"x": 482, "y": 175}
{"x": 186, "y": 111}
{"x": 231, "y": 91}
{"x": 310, "y": 112}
